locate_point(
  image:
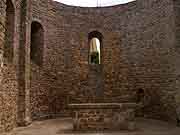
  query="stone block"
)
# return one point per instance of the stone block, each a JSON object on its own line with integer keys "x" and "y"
{"x": 110, "y": 116}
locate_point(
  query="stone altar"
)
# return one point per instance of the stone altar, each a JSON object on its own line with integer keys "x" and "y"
{"x": 103, "y": 116}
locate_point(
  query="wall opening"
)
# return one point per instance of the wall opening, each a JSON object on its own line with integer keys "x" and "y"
{"x": 94, "y": 3}
{"x": 37, "y": 43}
{"x": 9, "y": 35}
{"x": 95, "y": 40}
{"x": 140, "y": 95}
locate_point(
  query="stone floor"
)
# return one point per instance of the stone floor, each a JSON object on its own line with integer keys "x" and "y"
{"x": 63, "y": 126}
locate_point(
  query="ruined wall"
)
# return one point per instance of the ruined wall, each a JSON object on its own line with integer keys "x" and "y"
{"x": 8, "y": 91}
{"x": 176, "y": 54}
{"x": 152, "y": 60}
{"x": 23, "y": 62}
{"x": 137, "y": 47}
{"x": 2, "y": 35}
{"x": 139, "y": 51}
{"x": 177, "y": 48}
{"x": 42, "y": 81}
{"x": 13, "y": 104}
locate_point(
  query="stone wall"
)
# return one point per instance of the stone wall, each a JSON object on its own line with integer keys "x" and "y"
{"x": 2, "y": 35}
{"x": 137, "y": 47}
{"x": 8, "y": 91}
{"x": 23, "y": 62}
{"x": 43, "y": 81}
{"x": 12, "y": 100}
{"x": 177, "y": 53}
{"x": 139, "y": 50}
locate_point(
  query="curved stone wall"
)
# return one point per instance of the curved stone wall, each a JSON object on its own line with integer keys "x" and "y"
{"x": 137, "y": 46}
{"x": 139, "y": 54}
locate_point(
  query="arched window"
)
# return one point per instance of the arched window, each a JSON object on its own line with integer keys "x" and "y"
{"x": 9, "y": 35}
{"x": 37, "y": 43}
{"x": 95, "y": 40}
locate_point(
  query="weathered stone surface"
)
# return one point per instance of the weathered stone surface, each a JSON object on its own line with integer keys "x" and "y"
{"x": 137, "y": 53}
{"x": 103, "y": 116}
{"x": 139, "y": 50}
{"x": 2, "y": 30}
{"x": 10, "y": 67}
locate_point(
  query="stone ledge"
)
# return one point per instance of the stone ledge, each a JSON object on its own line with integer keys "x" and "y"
{"x": 102, "y": 105}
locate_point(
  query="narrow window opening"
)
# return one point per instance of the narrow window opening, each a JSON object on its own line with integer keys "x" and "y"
{"x": 37, "y": 41}
{"x": 95, "y": 39}
{"x": 95, "y": 51}
{"x": 140, "y": 95}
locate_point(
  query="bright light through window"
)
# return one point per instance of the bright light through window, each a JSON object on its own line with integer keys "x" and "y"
{"x": 95, "y": 51}
{"x": 93, "y": 3}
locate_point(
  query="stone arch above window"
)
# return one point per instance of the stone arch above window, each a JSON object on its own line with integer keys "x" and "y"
{"x": 95, "y": 41}
{"x": 9, "y": 34}
{"x": 37, "y": 43}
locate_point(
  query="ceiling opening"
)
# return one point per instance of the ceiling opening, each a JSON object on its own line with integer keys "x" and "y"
{"x": 93, "y": 3}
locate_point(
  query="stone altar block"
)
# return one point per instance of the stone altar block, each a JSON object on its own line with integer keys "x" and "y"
{"x": 103, "y": 116}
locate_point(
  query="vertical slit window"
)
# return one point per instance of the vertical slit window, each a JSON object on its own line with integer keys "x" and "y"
{"x": 37, "y": 41}
{"x": 95, "y": 39}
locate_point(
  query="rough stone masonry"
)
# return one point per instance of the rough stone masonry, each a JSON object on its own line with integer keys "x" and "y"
{"x": 44, "y": 58}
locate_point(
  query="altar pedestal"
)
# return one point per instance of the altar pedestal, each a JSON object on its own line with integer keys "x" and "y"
{"x": 103, "y": 116}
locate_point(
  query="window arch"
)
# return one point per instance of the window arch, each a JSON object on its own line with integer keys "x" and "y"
{"x": 95, "y": 41}
{"x": 37, "y": 43}
{"x": 9, "y": 34}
